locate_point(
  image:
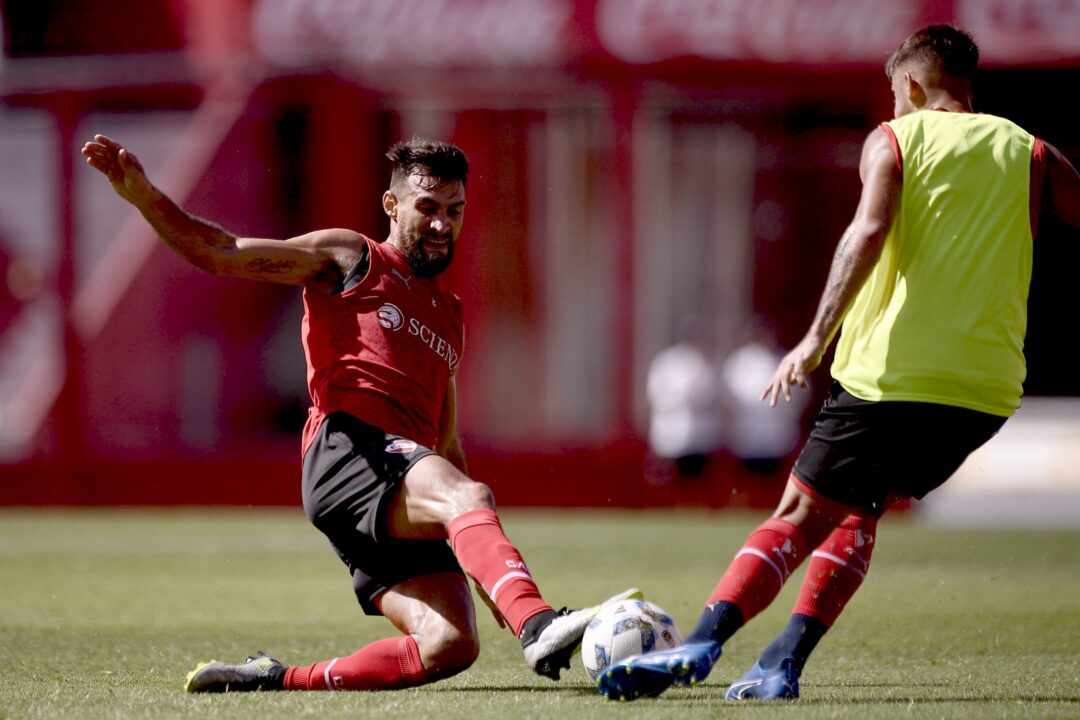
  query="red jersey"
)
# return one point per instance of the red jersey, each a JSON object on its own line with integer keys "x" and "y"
{"x": 383, "y": 350}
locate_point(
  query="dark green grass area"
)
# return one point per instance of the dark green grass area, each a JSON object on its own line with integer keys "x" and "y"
{"x": 102, "y": 613}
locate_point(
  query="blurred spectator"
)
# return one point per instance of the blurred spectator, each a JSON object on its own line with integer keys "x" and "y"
{"x": 761, "y": 437}
{"x": 685, "y": 426}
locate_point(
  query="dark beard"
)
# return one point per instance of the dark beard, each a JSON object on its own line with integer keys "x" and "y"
{"x": 424, "y": 266}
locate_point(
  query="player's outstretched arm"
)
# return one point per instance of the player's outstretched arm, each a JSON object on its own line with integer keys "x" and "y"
{"x": 316, "y": 260}
{"x": 1062, "y": 187}
{"x": 858, "y": 251}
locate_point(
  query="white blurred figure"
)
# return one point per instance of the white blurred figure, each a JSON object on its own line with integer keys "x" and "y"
{"x": 685, "y": 426}
{"x": 759, "y": 436}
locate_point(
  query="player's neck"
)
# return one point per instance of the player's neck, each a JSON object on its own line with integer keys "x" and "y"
{"x": 948, "y": 103}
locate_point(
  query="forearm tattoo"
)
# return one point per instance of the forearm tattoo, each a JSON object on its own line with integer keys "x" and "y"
{"x": 833, "y": 301}
{"x": 270, "y": 267}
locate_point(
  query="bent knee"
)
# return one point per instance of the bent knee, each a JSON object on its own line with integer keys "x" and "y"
{"x": 475, "y": 495}
{"x": 448, "y": 654}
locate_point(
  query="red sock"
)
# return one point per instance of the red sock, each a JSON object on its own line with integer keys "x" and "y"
{"x": 837, "y": 568}
{"x": 486, "y": 554}
{"x": 388, "y": 664}
{"x": 760, "y": 568}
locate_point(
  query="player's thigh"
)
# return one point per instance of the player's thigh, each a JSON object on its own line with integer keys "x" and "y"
{"x": 437, "y": 610}
{"x": 432, "y": 493}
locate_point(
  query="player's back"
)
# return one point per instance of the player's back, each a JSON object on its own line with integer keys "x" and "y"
{"x": 942, "y": 317}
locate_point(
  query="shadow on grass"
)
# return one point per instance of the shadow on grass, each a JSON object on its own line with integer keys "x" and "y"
{"x": 699, "y": 694}
{"x": 583, "y": 691}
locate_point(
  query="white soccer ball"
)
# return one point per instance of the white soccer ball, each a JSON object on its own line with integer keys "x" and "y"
{"x": 623, "y": 629}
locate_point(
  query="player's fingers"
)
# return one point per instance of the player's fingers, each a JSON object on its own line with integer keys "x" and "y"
{"x": 98, "y": 163}
{"x": 95, "y": 150}
{"x": 108, "y": 142}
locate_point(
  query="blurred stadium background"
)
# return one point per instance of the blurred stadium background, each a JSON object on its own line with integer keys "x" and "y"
{"x": 635, "y": 163}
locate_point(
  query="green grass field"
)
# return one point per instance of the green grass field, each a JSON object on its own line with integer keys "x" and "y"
{"x": 102, "y": 613}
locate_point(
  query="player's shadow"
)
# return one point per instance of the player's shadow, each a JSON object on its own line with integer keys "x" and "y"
{"x": 565, "y": 689}
{"x": 694, "y": 696}
{"x": 684, "y": 696}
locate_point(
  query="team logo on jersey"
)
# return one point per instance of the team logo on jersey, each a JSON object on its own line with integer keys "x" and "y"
{"x": 390, "y": 317}
{"x": 402, "y": 278}
{"x": 401, "y": 446}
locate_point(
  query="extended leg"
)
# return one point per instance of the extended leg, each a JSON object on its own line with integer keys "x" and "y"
{"x": 435, "y": 613}
{"x": 436, "y": 500}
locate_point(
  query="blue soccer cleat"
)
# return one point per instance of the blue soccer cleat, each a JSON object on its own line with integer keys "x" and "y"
{"x": 651, "y": 674}
{"x": 776, "y": 683}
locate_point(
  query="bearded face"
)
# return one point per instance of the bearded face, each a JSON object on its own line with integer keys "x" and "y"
{"x": 426, "y": 216}
{"x": 429, "y": 253}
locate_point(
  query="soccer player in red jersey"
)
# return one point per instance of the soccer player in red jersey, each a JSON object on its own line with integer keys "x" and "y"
{"x": 384, "y": 475}
{"x": 930, "y": 283}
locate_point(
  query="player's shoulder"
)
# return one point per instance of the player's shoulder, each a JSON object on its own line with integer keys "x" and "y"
{"x": 335, "y": 238}
{"x": 880, "y": 146}
{"x": 339, "y": 250}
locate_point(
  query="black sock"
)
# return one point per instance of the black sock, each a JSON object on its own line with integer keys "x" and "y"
{"x": 718, "y": 622}
{"x": 797, "y": 640}
{"x": 534, "y": 625}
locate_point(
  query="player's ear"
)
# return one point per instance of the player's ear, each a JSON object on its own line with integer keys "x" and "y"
{"x": 915, "y": 92}
{"x": 389, "y": 203}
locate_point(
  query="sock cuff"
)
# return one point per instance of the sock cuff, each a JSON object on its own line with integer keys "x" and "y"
{"x": 296, "y": 678}
{"x": 412, "y": 668}
{"x": 470, "y": 519}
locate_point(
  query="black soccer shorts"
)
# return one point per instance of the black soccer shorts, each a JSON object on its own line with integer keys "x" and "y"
{"x": 866, "y": 454}
{"x": 351, "y": 471}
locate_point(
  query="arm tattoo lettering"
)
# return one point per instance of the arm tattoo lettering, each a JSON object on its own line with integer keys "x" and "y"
{"x": 270, "y": 267}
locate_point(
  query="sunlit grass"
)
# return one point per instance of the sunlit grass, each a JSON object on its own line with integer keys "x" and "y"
{"x": 103, "y": 612}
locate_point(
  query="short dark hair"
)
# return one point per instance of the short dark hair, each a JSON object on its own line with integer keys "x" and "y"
{"x": 428, "y": 157}
{"x": 940, "y": 48}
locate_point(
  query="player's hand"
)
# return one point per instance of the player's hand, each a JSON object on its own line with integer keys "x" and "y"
{"x": 491, "y": 605}
{"x": 123, "y": 170}
{"x": 792, "y": 370}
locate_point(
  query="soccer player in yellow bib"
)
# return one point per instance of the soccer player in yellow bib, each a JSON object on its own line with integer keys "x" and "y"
{"x": 928, "y": 288}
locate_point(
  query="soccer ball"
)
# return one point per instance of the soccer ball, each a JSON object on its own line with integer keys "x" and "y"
{"x": 623, "y": 629}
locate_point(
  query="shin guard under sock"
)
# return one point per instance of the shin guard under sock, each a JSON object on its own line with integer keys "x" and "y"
{"x": 760, "y": 568}
{"x": 837, "y": 569}
{"x": 487, "y": 555}
{"x": 388, "y": 664}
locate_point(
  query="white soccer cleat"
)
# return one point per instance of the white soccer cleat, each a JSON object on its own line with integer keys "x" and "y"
{"x": 551, "y": 646}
